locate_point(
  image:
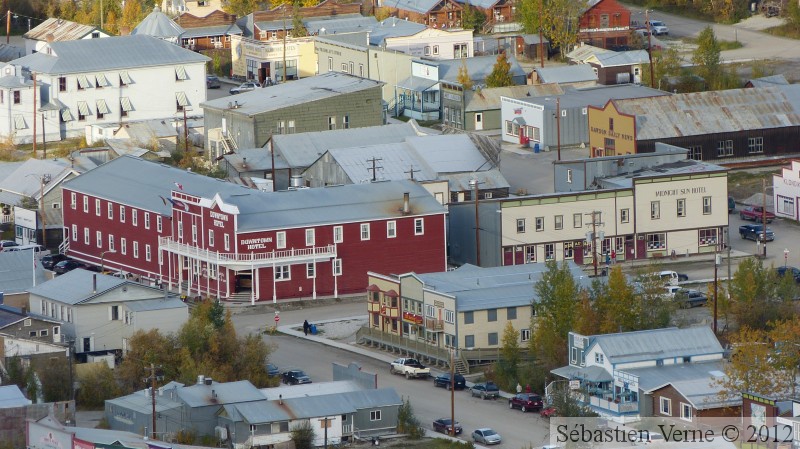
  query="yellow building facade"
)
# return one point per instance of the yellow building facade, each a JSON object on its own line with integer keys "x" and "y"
{"x": 611, "y": 132}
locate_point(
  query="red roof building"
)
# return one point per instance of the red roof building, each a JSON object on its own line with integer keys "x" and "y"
{"x": 210, "y": 238}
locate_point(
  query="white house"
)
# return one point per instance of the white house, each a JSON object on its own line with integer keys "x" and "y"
{"x": 111, "y": 80}
{"x": 787, "y": 191}
{"x": 101, "y": 312}
{"x": 434, "y": 43}
{"x": 58, "y": 30}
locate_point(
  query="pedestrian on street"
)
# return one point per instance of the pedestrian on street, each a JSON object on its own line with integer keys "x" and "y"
{"x": 519, "y": 388}
{"x": 613, "y": 256}
{"x": 305, "y": 327}
{"x": 528, "y": 388}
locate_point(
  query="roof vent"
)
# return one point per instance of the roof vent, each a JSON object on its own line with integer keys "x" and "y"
{"x": 209, "y": 380}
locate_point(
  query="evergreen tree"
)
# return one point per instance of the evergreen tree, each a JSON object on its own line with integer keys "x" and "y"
{"x": 501, "y": 73}
{"x": 298, "y": 29}
{"x": 707, "y": 58}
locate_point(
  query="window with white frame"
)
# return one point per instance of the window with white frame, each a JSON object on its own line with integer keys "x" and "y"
{"x": 657, "y": 241}
{"x": 311, "y": 270}
{"x": 85, "y": 204}
{"x": 520, "y": 225}
{"x": 280, "y": 239}
{"x": 147, "y": 253}
{"x": 86, "y": 236}
{"x": 569, "y": 251}
{"x": 450, "y": 316}
{"x": 558, "y": 222}
{"x": 706, "y": 205}
{"x": 158, "y": 223}
{"x": 310, "y": 237}
{"x": 755, "y": 145}
{"x": 419, "y": 226}
{"x": 785, "y": 205}
{"x": 210, "y": 237}
{"x": 725, "y": 148}
{"x": 624, "y": 215}
{"x": 73, "y": 200}
{"x": 577, "y": 220}
{"x": 180, "y": 230}
{"x": 391, "y": 229}
{"x": 430, "y": 311}
{"x": 99, "y": 238}
{"x": 338, "y": 234}
{"x": 337, "y": 267}
{"x": 135, "y": 217}
{"x": 282, "y": 273}
{"x": 708, "y": 237}
{"x": 194, "y": 233}
{"x": 686, "y": 411}
{"x": 74, "y": 233}
{"x": 681, "y": 207}
{"x": 599, "y": 358}
{"x": 530, "y": 253}
{"x": 123, "y": 245}
{"x": 135, "y": 249}
{"x": 539, "y": 224}
{"x": 227, "y": 239}
{"x": 110, "y": 211}
{"x": 655, "y": 210}
{"x": 375, "y": 415}
{"x": 111, "y": 242}
{"x": 364, "y": 231}
{"x": 331, "y": 123}
{"x": 569, "y": 176}
{"x": 525, "y": 335}
{"x": 147, "y": 220}
{"x": 549, "y": 251}
{"x": 122, "y": 214}
{"x": 97, "y": 207}
{"x": 665, "y": 406}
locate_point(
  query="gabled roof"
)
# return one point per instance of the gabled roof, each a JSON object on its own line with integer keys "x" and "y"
{"x": 219, "y": 394}
{"x": 60, "y": 29}
{"x": 301, "y": 150}
{"x": 17, "y": 272}
{"x": 11, "y": 396}
{"x": 10, "y": 315}
{"x": 108, "y": 54}
{"x": 713, "y": 112}
{"x": 585, "y": 51}
{"x": 419, "y": 6}
{"x": 312, "y": 389}
{"x": 141, "y": 401}
{"x": 485, "y": 4}
{"x": 258, "y": 412}
{"x": 597, "y": 96}
{"x": 214, "y": 30}
{"x": 78, "y": 286}
{"x": 654, "y": 344}
{"x": 620, "y": 58}
{"x": 302, "y": 91}
{"x": 157, "y": 24}
{"x": 478, "y": 67}
{"x": 254, "y": 159}
{"x": 566, "y": 74}
{"x": 766, "y": 81}
{"x": 393, "y": 27}
{"x": 489, "y": 98}
{"x": 25, "y": 180}
{"x": 507, "y": 286}
{"x": 698, "y": 383}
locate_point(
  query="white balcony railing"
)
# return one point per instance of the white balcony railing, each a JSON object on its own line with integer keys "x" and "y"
{"x": 282, "y": 257}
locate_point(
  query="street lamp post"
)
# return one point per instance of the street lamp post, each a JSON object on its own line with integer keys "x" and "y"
{"x": 785, "y": 257}
{"x": 103, "y": 258}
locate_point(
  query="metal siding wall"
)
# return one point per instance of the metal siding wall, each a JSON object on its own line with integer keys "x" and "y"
{"x": 461, "y": 233}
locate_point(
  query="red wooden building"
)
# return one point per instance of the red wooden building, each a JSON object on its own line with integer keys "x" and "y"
{"x": 205, "y": 237}
{"x": 605, "y": 24}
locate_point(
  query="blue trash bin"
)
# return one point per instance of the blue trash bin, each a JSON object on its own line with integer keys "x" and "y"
{"x": 313, "y": 329}
{"x": 536, "y": 148}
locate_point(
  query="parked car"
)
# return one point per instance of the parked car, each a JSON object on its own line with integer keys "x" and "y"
{"x": 245, "y": 87}
{"x": 486, "y": 390}
{"x": 548, "y": 412}
{"x": 672, "y": 277}
{"x": 687, "y": 298}
{"x": 658, "y": 27}
{"x": 486, "y": 436}
{"x": 7, "y": 244}
{"x": 792, "y": 271}
{"x": 731, "y": 205}
{"x": 272, "y": 370}
{"x": 50, "y": 260}
{"x": 409, "y": 368}
{"x": 212, "y": 82}
{"x": 35, "y": 248}
{"x": 295, "y": 377}
{"x": 443, "y": 380}
{"x": 445, "y": 425}
{"x": 756, "y": 213}
{"x": 66, "y": 266}
{"x": 755, "y": 233}
{"x": 526, "y": 402}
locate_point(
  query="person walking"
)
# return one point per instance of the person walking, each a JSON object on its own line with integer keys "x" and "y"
{"x": 528, "y": 388}
{"x": 305, "y": 327}
{"x": 519, "y": 388}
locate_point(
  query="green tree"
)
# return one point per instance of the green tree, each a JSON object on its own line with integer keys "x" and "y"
{"x": 750, "y": 368}
{"x": 501, "y": 73}
{"x": 16, "y": 372}
{"x": 303, "y": 435}
{"x": 298, "y": 29}
{"x": 666, "y": 63}
{"x": 558, "y": 20}
{"x": 147, "y": 348}
{"x": 655, "y": 312}
{"x": 620, "y": 305}
{"x": 785, "y": 337}
{"x": 96, "y": 386}
{"x": 707, "y": 59}
{"x": 755, "y": 297}
{"x": 558, "y": 295}
{"x": 471, "y": 18}
{"x": 510, "y": 356}
{"x": 407, "y": 421}
{"x": 54, "y": 376}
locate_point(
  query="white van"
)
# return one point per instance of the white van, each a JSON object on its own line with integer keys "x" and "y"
{"x": 35, "y": 248}
{"x": 669, "y": 277}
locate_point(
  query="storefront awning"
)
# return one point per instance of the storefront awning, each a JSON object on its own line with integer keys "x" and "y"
{"x": 519, "y": 121}
{"x": 125, "y": 103}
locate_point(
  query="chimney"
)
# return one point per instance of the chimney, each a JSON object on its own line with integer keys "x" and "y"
{"x": 94, "y": 283}
{"x": 405, "y": 203}
{"x": 214, "y": 394}
{"x": 49, "y": 38}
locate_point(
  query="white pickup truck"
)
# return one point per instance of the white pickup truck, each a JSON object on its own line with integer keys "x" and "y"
{"x": 409, "y": 368}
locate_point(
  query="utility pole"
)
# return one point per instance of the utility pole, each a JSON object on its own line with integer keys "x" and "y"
{"x": 474, "y": 184}
{"x": 33, "y": 75}
{"x": 8, "y": 23}
{"x": 650, "y": 49}
{"x": 185, "y": 133}
{"x": 152, "y": 379}
{"x": 272, "y": 155}
{"x": 411, "y": 172}
{"x": 284, "y": 41}
{"x": 44, "y": 139}
{"x": 558, "y": 125}
{"x": 41, "y": 208}
{"x": 594, "y": 236}
{"x": 327, "y": 423}
{"x": 452, "y": 393}
{"x": 374, "y": 168}
{"x": 764, "y": 215}
{"x": 541, "y": 39}
{"x": 716, "y": 296}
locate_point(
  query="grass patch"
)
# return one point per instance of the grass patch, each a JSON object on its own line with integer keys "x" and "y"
{"x": 744, "y": 184}
{"x": 432, "y": 443}
{"x": 785, "y": 30}
{"x": 723, "y": 45}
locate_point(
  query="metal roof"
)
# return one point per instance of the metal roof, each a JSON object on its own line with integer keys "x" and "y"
{"x": 259, "y": 412}
{"x": 141, "y": 401}
{"x": 110, "y": 53}
{"x": 219, "y": 394}
{"x": 25, "y": 180}
{"x": 420, "y": 6}
{"x": 489, "y": 98}
{"x": 10, "y": 52}
{"x": 713, "y": 112}
{"x": 593, "y": 96}
{"x": 766, "y": 81}
{"x": 478, "y": 67}
{"x": 485, "y": 4}
{"x": 171, "y": 302}
{"x": 345, "y": 23}
{"x": 15, "y": 82}
{"x": 687, "y": 166}
{"x": 157, "y": 24}
{"x": 10, "y": 315}
{"x": 566, "y": 74}
{"x": 393, "y": 27}
{"x": 584, "y": 51}
{"x": 417, "y": 83}
{"x": 696, "y": 382}
{"x": 77, "y": 286}
{"x": 488, "y": 179}
{"x": 357, "y": 40}
{"x": 592, "y": 373}
{"x": 654, "y": 344}
{"x": 621, "y": 58}
{"x": 214, "y": 30}
{"x": 255, "y": 159}
{"x": 341, "y": 403}
{"x": 60, "y": 29}
{"x": 312, "y": 389}
{"x": 476, "y": 288}
{"x": 301, "y": 150}
{"x": 305, "y": 90}
{"x": 11, "y": 396}
{"x": 17, "y": 272}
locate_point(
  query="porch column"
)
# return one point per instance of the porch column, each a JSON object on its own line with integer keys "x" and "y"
{"x": 180, "y": 274}
{"x": 169, "y": 269}
{"x": 218, "y": 276}
{"x": 314, "y": 288}
{"x": 257, "y": 283}
{"x": 274, "y": 293}
{"x": 252, "y": 286}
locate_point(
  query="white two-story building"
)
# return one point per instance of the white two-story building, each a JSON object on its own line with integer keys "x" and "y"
{"x": 86, "y": 82}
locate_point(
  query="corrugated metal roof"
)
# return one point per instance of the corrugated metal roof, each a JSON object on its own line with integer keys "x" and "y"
{"x": 477, "y": 288}
{"x": 301, "y": 150}
{"x": 478, "y": 67}
{"x": 489, "y": 98}
{"x": 141, "y": 183}
{"x": 417, "y": 83}
{"x": 17, "y": 272}
{"x": 345, "y": 23}
{"x": 420, "y": 6}
{"x": 15, "y": 82}
{"x": 566, "y": 74}
{"x": 10, "y": 52}
{"x": 77, "y": 286}
{"x": 62, "y": 30}
{"x": 254, "y": 159}
{"x": 393, "y": 27}
{"x": 25, "y": 179}
{"x": 697, "y": 382}
{"x": 766, "y": 81}
{"x": 312, "y": 389}
{"x": 667, "y": 343}
{"x": 686, "y": 166}
{"x": 594, "y": 96}
{"x": 585, "y": 51}
{"x": 11, "y": 396}
{"x": 219, "y": 394}
{"x": 586, "y": 373}
{"x": 259, "y": 412}
{"x": 110, "y": 53}
{"x": 712, "y": 112}
{"x": 621, "y": 58}
{"x": 215, "y": 30}
{"x": 172, "y": 302}
{"x": 141, "y": 401}
{"x": 157, "y": 24}
{"x": 298, "y": 92}
{"x": 488, "y": 179}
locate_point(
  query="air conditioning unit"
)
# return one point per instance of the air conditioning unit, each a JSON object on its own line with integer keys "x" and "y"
{"x": 221, "y": 432}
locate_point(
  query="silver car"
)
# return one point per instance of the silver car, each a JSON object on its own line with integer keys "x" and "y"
{"x": 245, "y": 87}
{"x": 486, "y": 436}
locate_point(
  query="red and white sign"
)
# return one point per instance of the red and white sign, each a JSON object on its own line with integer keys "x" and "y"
{"x": 277, "y": 318}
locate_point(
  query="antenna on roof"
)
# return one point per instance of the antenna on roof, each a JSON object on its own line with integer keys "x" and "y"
{"x": 411, "y": 172}
{"x": 374, "y": 168}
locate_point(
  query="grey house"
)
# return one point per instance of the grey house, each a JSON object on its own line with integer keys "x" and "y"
{"x": 253, "y": 167}
{"x": 134, "y": 412}
{"x": 325, "y": 102}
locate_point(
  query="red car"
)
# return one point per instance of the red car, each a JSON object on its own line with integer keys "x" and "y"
{"x": 525, "y": 402}
{"x": 548, "y": 412}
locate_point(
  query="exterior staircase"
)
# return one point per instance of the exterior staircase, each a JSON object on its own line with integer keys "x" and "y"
{"x": 229, "y": 144}
{"x": 461, "y": 366}
{"x": 63, "y": 247}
